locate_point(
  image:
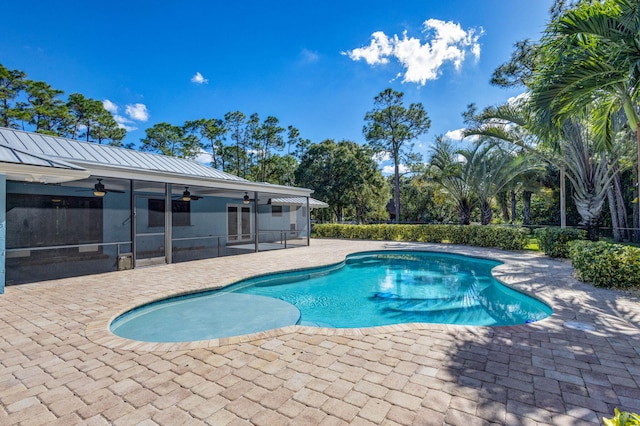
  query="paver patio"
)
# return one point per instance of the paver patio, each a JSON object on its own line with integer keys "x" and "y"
{"x": 60, "y": 365}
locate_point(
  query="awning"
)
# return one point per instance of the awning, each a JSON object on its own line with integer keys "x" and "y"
{"x": 22, "y": 166}
{"x": 299, "y": 201}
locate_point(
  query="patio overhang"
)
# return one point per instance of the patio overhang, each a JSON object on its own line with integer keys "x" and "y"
{"x": 299, "y": 201}
{"x": 221, "y": 187}
{"x": 21, "y": 166}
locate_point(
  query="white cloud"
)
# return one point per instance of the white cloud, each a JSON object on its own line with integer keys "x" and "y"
{"x": 204, "y": 157}
{"x": 446, "y": 42}
{"x": 380, "y": 157}
{"x": 124, "y": 123}
{"x": 110, "y": 106}
{"x": 134, "y": 112}
{"x": 389, "y": 169}
{"x": 137, "y": 112}
{"x": 455, "y": 134}
{"x": 518, "y": 100}
{"x": 199, "y": 79}
{"x": 376, "y": 53}
{"x": 309, "y": 56}
{"x": 458, "y": 135}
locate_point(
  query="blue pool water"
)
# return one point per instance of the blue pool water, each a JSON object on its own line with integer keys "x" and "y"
{"x": 368, "y": 289}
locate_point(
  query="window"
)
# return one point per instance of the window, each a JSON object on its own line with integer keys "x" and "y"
{"x": 180, "y": 210}
{"x": 276, "y": 211}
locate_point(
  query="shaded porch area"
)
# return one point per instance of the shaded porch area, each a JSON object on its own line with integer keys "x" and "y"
{"x": 102, "y": 224}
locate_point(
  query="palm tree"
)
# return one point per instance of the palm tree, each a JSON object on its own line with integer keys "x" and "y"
{"x": 476, "y": 175}
{"x": 454, "y": 176}
{"x": 588, "y": 166}
{"x": 494, "y": 168}
{"x": 592, "y": 58}
{"x": 516, "y": 123}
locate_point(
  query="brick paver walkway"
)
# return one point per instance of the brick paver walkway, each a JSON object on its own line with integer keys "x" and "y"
{"x": 59, "y": 364}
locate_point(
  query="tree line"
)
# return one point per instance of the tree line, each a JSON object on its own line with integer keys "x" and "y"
{"x": 36, "y": 106}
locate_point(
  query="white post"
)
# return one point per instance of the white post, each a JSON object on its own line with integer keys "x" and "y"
{"x": 3, "y": 229}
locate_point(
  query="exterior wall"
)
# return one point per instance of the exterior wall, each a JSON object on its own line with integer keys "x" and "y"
{"x": 206, "y": 236}
{"x": 291, "y": 226}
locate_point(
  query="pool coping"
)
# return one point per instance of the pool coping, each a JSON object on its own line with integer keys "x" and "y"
{"x": 98, "y": 330}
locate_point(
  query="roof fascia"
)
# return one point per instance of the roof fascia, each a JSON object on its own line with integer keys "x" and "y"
{"x": 41, "y": 174}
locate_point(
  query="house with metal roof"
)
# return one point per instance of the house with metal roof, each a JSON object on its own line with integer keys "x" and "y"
{"x": 76, "y": 208}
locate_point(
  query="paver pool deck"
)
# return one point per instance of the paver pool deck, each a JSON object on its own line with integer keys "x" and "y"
{"x": 60, "y": 365}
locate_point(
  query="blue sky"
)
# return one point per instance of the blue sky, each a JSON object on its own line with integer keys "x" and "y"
{"x": 315, "y": 65}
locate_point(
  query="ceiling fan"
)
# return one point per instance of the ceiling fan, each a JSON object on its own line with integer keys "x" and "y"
{"x": 187, "y": 196}
{"x": 246, "y": 199}
{"x": 99, "y": 190}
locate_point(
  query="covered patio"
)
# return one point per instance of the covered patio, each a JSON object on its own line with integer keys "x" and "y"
{"x": 76, "y": 208}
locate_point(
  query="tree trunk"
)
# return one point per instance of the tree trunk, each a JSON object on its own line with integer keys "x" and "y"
{"x": 513, "y": 207}
{"x": 593, "y": 230}
{"x": 623, "y": 219}
{"x": 396, "y": 181}
{"x": 464, "y": 214}
{"x": 636, "y": 217}
{"x": 563, "y": 201}
{"x": 486, "y": 213}
{"x": 617, "y": 237}
{"x": 526, "y": 201}
{"x": 504, "y": 208}
{"x": 617, "y": 207}
{"x": 636, "y": 210}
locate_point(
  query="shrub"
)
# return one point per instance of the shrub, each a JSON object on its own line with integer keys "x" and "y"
{"x": 507, "y": 238}
{"x": 604, "y": 264}
{"x": 554, "y": 241}
{"x": 622, "y": 419}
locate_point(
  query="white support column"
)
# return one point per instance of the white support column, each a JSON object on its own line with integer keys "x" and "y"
{"x": 3, "y": 229}
{"x": 308, "y": 223}
{"x": 257, "y": 220}
{"x": 168, "y": 224}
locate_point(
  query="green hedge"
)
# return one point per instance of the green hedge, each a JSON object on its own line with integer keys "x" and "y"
{"x": 554, "y": 242}
{"x": 507, "y": 238}
{"x": 604, "y": 264}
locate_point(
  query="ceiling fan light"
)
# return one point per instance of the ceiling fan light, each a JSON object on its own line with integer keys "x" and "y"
{"x": 245, "y": 199}
{"x": 186, "y": 198}
{"x": 98, "y": 189}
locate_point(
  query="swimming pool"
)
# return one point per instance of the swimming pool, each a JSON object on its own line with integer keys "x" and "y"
{"x": 367, "y": 289}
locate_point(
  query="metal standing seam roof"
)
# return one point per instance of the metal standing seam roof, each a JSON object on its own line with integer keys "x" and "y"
{"x": 313, "y": 203}
{"x": 16, "y": 156}
{"x": 54, "y": 148}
